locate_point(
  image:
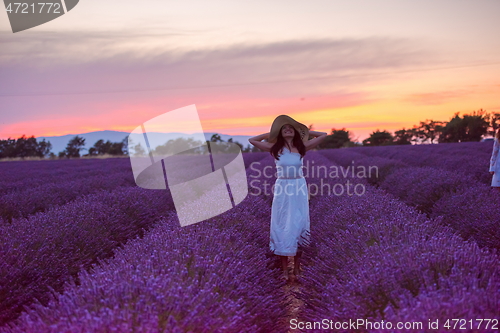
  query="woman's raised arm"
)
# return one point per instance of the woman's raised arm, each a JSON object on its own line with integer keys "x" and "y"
{"x": 318, "y": 138}
{"x": 257, "y": 142}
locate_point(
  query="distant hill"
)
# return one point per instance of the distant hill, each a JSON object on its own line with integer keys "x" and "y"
{"x": 59, "y": 143}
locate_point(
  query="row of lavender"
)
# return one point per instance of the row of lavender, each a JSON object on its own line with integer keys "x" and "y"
{"x": 375, "y": 258}
{"x": 214, "y": 276}
{"x": 32, "y": 199}
{"x": 28, "y": 188}
{"x": 469, "y": 158}
{"x": 465, "y": 204}
{"x": 42, "y": 251}
{"x": 344, "y": 257}
{"x": 20, "y": 175}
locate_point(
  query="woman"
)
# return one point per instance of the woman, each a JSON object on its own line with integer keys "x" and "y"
{"x": 495, "y": 162}
{"x": 288, "y": 142}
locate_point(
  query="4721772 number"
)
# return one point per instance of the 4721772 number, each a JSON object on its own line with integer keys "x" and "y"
{"x": 34, "y": 8}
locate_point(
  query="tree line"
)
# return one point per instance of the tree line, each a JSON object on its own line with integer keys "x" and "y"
{"x": 470, "y": 127}
{"x": 186, "y": 146}
{"x": 29, "y": 147}
{"x": 466, "y": 128}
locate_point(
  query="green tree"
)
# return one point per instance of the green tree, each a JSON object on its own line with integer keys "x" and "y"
{"x": 108, "y": 147}
{"x": 223, "y": 146}
{"x": 43, "y": 148}
{"x": 454, "y": 130}
{"x": 216, "y": 138}
{"x": 251, "y": 149}
{"x": 97, "y": 149}
{"x": 336, "y": 139}
{"x": 470, "y": 127}
{"x": 404, "y": 136}
{"x": 476, "y": 126}
{"x": 138, "y": 151}
{"x": 236, "y": 143}
{"x": 125, "y": 145}
{"x": 493, "y": 120}
{"x": 379, "y": 138}
{"x": 178, "y": 146}
{"x": 24, "y": 147}
{"x": 7, "y": 148}
{"x": 429, "y": 130}
{"x": 73, "y": 148}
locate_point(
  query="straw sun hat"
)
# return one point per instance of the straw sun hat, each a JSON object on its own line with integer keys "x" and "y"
{"x": 282, "y": 120}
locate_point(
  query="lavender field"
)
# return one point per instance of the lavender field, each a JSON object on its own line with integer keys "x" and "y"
{"x": 83, "y": 249}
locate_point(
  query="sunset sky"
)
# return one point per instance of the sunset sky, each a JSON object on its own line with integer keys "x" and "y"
{"x": 362, "y": 65}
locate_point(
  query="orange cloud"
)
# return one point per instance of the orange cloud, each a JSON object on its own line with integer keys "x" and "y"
{"x": 436, "y": 98}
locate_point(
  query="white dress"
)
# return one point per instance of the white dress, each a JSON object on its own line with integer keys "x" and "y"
{"x": 495, "y": 163}
{"x": 290, "y": 224}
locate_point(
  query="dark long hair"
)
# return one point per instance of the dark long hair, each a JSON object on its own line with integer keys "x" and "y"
{"x": 498, "y": 134}
{"x": 281, "y": 142}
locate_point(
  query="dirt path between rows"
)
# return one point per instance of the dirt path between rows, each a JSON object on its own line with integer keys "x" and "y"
{"x": 295, "y": 303}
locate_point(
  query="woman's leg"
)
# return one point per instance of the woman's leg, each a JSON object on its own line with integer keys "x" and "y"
{"x": 284, "y": 265}
{"x": 296, "y": 261}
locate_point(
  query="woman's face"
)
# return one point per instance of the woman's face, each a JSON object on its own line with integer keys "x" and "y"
{"x": 287, "y": 131}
